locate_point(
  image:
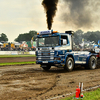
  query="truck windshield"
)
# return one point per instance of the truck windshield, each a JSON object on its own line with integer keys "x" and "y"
{"x": 48, "y": 41}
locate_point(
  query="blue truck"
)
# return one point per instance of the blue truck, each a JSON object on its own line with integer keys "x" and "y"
{"x": 56, "y": 49}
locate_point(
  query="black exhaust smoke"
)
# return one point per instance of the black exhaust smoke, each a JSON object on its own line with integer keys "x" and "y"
{"x": 50, "y": 7}
{"x": 79, "y": 14}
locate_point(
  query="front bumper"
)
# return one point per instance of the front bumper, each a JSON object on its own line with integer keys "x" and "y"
{"x": 48, "y": 62}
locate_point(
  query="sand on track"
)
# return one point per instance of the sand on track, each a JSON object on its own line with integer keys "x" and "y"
{"x": 30, "y": 82}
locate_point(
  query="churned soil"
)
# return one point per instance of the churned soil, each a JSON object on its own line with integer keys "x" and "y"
{"x": 30, "y": 82}
{"x": 17, "y": 59}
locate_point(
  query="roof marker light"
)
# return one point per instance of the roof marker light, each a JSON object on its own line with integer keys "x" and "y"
{"x": 55, "y": 32}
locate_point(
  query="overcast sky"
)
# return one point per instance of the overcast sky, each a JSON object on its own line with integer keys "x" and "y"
{"x": 21, "y": 16}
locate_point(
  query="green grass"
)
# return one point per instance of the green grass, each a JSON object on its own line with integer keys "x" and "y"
{"x": 17, "y": 63}
{"x": 7, "y": 56}
{"x": 93, "y": 95}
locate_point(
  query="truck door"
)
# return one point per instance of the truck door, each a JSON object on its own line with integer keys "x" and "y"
{"x": 82, "y": 58}
{"x": 79, "y": 58}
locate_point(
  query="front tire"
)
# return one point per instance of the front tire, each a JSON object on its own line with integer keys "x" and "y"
{"x": 69, "y": 64}
{"x": 92, "y": 62}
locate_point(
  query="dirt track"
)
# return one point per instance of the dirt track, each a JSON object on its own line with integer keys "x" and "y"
{"x": 30, "y": 82}
{"x": 17, "y": 59}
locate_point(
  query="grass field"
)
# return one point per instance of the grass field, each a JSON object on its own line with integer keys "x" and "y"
{"x": 7, "y": 56}
{"x": 17, "y": 63}
{"x": 93, "y": 95}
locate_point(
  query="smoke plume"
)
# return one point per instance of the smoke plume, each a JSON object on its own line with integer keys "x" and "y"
{"x": 78, "y": 13}
{"x": 50, "y": 7}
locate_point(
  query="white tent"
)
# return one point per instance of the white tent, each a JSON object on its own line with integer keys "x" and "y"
{"x": 1, "y": 43}
{"x": 16, "y": 43}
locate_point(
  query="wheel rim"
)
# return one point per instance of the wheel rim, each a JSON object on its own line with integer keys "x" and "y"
{"x": 70, "y": 64}
{"x": 93, "y": 63}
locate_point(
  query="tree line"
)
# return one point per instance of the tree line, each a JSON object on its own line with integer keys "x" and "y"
{"x": 87, "y": 36}
{"x": 26, "y": 36}
{"x": 78, "y": 36}
{"x": 21, "y": 37}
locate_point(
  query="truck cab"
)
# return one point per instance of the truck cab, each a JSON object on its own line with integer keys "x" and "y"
{"x": 56, "y": 49}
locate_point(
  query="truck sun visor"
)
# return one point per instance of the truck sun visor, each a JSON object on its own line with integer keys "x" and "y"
{"x": 45, "y": 32}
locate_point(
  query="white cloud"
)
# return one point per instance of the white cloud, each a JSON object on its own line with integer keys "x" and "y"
{"x": 21, "y": 16}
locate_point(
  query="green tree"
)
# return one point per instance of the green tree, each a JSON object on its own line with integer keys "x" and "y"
{"x": 26, "y": 36}
{"x": 88, "y": 36}
{"x": 92, "y": 36}
{"x": 3, "y": 37}
{"x": 78, "y": 35}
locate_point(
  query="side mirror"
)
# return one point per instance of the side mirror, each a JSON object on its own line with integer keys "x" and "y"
{"x": 64, "y": 41}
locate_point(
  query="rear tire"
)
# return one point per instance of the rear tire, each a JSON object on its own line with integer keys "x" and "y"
{"x": 46, "y": 68}
{"x": 69, "y": 64}
{"x": 92, "y": 62}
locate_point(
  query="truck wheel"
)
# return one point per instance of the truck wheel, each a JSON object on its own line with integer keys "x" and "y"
{"x": 69, "y": 64}
{"x": 46, "y": 68}
{"x": 92, "y": 62}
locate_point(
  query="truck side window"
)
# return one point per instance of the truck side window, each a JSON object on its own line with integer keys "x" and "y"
{"x": 63, "y": 37}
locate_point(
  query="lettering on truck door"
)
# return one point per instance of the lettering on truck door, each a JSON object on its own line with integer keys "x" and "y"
{"x": 80, "y": 58}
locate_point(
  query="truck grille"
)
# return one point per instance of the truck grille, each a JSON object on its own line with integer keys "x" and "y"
{"x": 45, "y": 56}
